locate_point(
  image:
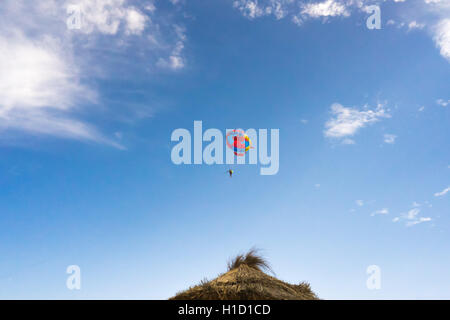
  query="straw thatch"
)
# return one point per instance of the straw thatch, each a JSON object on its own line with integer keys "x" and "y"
{"x": 245, "y": 280}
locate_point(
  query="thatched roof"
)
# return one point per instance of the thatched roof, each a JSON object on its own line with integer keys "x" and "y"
{"x": 246, "y": 281}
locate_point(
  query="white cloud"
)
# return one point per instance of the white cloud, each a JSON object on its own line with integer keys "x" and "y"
{"x": 279, "y": 12}
{"x": 277, "y": 8}
{"x": 39, "y": 90}
{"x": 442, "y": 193}
{"x": 282, "y": 8}
{"x": 107, "y": 16}
{"x": 33, "y": 75}
{"x": 412, "y": 25}
{"x": 297, "y": 20}
{"x": 442, "y": 102}
{"x": 44, "y": 64}
{"x": 415, "y": 25}
{"x": 390, "y": 138}
{"x": 348, "y": 141}
{"x": 150, "y": 7}
{"x": 383, "y": 211}
{"x": 412, "y": 218}
{"x": 415, "y": 204}
{"x": 390, "y": 22}
{"x": 359, "y": 202}
{"x": 442, "y": 37}
{"x": 432, "y": 14}
{"x": 328, "y": 8}
{"x": 175, "y": 61}
{"x": 412, "y": 214}
{"x": 417, "y": 221}
{"x": 250, "y": 9}
{"x": 435, "y": 14}
{"x": 172, "y": 62}
{"x": 421, "y": 108}
{"x": 136, "y": 21}
{"x": 348, "y": 121}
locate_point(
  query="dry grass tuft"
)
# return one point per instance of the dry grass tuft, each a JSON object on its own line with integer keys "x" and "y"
{"x": 252, "y": 259}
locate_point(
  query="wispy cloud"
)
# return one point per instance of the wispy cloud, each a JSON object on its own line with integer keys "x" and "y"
{"x": 298, "y": 10}
{"x": 442, "y": 37}
{"x": 442, "y": 193}
{"x": 328, "y": 8}
{"x": 383, "y": 211}
{"x": 250, "y": 9}
{"x": 412, "y": 218}
{"x": 348, "y": 121}
{"x": 412, "y": 214}
{"x": 39, "y": 90}
{"x": 175, "y": 61}
{"x": 42, "y": 81}
{"x": 109, "y": 17}
{"x": 417, "y": 221}
{"x": 348, "y": 141}
{"x": 390, "y": 138}
{"x": 437, "y": 13}
{"x": 415, "y": 25}
{"x": 431, "y": 16}
{"x": 442, "y": 102}
{"x": 415, "y": 204}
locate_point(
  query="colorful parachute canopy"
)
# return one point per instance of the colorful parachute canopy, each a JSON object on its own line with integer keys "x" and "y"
{"x": 238, "y": 141}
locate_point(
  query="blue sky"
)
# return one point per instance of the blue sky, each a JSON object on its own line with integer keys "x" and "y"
{"x": 86, "y": 117}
